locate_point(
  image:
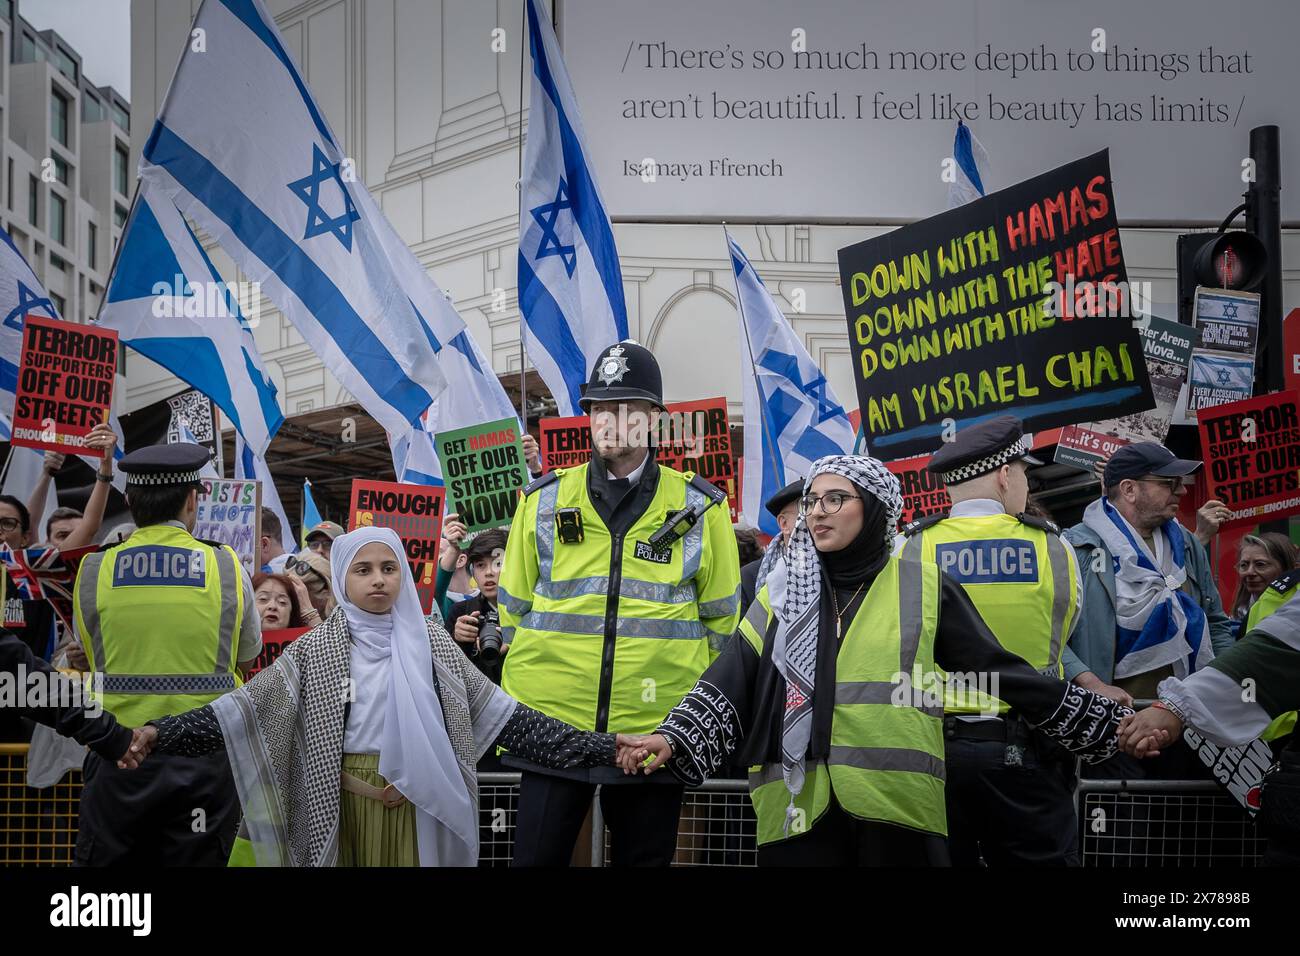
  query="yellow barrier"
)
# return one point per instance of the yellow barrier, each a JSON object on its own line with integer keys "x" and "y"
{"x": 37, "y": 827}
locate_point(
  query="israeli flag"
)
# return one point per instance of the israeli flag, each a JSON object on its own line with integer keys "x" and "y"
{"x": 474, "y": 395}
{"x": 971, "y": 160}
{"x": 570, "y": 284}
{"x": 168, "y": 302}
{"x": 251, "y": 466}
{"x": 792, "y": 417}
{"x": 21, "y": 294}
{"x": 242, "y": 148}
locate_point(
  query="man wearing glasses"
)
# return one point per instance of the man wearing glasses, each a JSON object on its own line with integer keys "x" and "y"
{"x": 1010, "y": 792}
{"x": 1151, "y": 609}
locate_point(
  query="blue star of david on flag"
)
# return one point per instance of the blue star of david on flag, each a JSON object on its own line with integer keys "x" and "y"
{"x": 28, "y": 301}
{"x": 547, "y": 215}
{"x": 1225, "y": 376}
{"x": 308, "y": 190}
{"x": 1230, "y": 310}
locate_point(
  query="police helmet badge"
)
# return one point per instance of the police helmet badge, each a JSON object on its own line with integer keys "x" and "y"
{"x": 613, "y": 367}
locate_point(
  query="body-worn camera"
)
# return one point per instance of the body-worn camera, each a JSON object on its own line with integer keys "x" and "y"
{"x": 489, "y": 636}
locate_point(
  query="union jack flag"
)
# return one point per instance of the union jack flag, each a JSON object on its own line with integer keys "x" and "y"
{"x": 45, "y": 574}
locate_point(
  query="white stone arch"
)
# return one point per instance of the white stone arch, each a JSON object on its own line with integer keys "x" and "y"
{"x": 695, "y": 337}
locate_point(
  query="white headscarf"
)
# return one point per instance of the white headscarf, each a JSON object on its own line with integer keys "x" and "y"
{"x": 415, "y": 753}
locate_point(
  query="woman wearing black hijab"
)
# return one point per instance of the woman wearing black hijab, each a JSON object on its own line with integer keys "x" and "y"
{"x": 832, "y": 688}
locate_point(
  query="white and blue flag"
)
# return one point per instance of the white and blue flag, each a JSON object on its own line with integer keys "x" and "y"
{"x": 252, "y": 467}
{"x": 971, "y": 161}
{"x": 474, "y": 395}
{"x": 21, "y": 293}
{"x": 168, "y": 302}
{"x": 570, "y": 283}
{"x": 792, "y": 417}
{"x": 242, "y": 148}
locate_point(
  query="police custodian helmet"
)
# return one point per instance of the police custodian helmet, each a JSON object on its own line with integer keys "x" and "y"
{"x": 624, "y": 372}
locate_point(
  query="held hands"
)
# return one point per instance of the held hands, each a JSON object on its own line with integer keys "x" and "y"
{"x": 53, "y": 462}
{"x": 1149, "y": 731}
{"x": 633, "y": 750}
{"x": 143, "y": 740}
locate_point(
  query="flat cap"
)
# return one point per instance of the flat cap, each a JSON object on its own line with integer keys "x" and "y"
{"x": 791, "y": 492}
{"x": 981, "y": 448}
{"x": 176, "y": 464}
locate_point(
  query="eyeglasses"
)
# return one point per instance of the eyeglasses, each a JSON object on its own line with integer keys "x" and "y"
{"x": 832, "y": 502}
{"x": 10, "y": 524}
{"x": 302, "y": 569}
{"x": 1172, "y": 483}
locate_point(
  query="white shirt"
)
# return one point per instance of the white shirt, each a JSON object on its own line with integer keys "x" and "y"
{"x": 365, "y": 727}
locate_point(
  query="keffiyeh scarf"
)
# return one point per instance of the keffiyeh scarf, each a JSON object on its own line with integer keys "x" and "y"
{"x": 794, "y": 586}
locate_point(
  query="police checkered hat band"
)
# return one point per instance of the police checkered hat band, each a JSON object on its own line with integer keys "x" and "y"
{"x": 165, "y": 478}
{"x": 993, "y": 462}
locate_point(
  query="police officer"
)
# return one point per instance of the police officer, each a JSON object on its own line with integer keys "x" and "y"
{"x": 621, "y": 578}
{"x": 1010, "y": 791}
{"x": 164, "y": 619}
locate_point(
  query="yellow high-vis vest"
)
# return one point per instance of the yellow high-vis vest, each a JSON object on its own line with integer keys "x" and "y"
{"x": 1021, "y": 579}
{"x": 886, "y": 751}
{"x": 159, "y": 617}
{"x": 607, "y": 633}
{"x": 1274, "y": 596}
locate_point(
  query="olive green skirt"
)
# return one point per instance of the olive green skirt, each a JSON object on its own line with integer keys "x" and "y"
{"x": 371, "y": 834}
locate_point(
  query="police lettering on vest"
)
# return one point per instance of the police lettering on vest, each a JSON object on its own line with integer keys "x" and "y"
{"x": 989, "y": 561}
{"x": 155, "y": 565}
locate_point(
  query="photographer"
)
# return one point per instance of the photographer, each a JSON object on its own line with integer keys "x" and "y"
{"x": 473, "y": 622}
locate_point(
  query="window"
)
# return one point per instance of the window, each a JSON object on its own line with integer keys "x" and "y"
{"x": 27, "y": 53}
{"x": 58, "y": 217}
{"x": 33, "y": 200}
{"x": 9, "y": 186}
{"x": 92, "y": 240}
{"x": 122, "y": 118}
{"x": 92, "y": 110}
{"x": 58, "y": 262}
{"x": 60, "y": 170}
{"x": 119, "y": 216}
{"x": 66, "y": 64}
{"x": 59, "y": 303}
{"x": 120, "y": 164}
{"x": 59, "y": 117}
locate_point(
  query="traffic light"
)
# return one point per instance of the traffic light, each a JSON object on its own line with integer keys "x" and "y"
{"x": 1224, "y": 260}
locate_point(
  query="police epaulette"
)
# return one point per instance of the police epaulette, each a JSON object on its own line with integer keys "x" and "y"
{"x": 709, "y": 489}
{"x": 210, "y": 544}
{"x": 541, "y": 482}
{"x": 1043, "y": 524}
{"x": 1286, "y": 582}
{"x": 920, "y": 524}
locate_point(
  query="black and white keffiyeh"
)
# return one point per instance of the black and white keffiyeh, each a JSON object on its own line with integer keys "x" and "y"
{"x": 794, "y": 586}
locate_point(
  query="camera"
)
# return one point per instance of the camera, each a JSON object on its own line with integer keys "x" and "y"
{"x": 489, "y": 636}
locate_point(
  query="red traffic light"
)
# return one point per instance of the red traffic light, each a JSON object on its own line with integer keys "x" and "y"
{"x": 1233, "y": 260}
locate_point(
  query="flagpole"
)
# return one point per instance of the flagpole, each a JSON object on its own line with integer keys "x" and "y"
{"x": 117, "y": 251}
{"x": 519, "y": 214}
{"x": 777, "y": 471}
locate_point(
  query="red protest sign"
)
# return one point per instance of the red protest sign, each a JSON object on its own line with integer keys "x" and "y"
{"x": 273, "y": 645}
{"x": 415, "y": 513}
{"x": 693, "y": 436}
{"x": 1252, "y": 456}
{"x": 65, "y": 383}
{"x": 923, "y": 492}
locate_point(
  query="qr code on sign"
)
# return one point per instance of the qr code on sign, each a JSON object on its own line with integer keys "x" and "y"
{"x": 194, "y": 409}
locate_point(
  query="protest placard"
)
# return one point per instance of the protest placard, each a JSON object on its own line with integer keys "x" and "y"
{"x": 65, "y": 383}
{"x": 564, "y": 442}
{"x": 1015, "y": 303}
{"x": 1228, "y": 321}
{"x": 690, "y": 436}
{"x": 483, "y": 467}
{"x": 1251, "y": 451}
{"x": 415, "y": 513}
{"x": 1167, "y": 348}
{"x": 1239, "y": 770}
{"x": 1214, "y": 378}
{"x": 230, "y": 512}
{"x": 273, "y": 645}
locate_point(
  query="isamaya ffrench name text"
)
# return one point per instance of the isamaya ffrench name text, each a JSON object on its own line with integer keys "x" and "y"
{"x": 715, "y": 168}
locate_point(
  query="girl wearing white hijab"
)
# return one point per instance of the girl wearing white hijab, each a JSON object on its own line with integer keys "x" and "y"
{"x": 358, "y": 746}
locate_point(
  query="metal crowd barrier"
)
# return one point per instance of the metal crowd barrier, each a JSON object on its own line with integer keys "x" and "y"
{"x": 1122, "y": 822}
